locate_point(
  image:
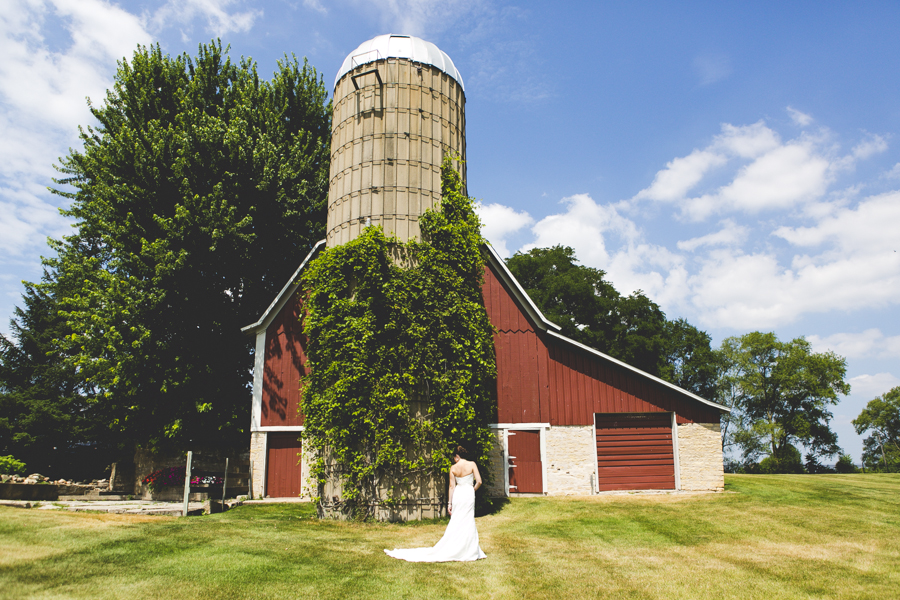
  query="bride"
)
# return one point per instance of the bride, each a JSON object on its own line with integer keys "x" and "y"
{"x": 460, "y": 541}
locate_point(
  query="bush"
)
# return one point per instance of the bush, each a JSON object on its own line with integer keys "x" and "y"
{"x": 9, "y": 465}
{"x": 813, "y": 466}
{"x": 845, "y": 465}
{"x": 787, "y": 461}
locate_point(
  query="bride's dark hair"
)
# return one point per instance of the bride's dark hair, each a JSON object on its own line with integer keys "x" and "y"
{"x": 462, "y": 453}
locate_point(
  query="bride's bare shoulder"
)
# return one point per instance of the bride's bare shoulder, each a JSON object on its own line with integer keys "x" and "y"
{"x": 463, "y": 468}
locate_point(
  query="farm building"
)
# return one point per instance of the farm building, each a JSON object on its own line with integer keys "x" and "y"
{"x": 572, "y": 420}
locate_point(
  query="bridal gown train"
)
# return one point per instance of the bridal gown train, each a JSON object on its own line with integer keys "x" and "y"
{"x": 460, "y": 541}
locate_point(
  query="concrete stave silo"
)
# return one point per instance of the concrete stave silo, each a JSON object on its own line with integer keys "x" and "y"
{"x": 399, "y": 108}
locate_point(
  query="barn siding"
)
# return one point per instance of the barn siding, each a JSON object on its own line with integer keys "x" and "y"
{"x": 541, "y": 379}
{"x": 284, "y": 365}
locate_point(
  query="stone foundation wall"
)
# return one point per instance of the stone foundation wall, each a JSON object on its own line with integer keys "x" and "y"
{"x": 258, "y": 458}
{"x": 203, "y": 459}
{"x": 700, "y": 457}
{"x": 571, "y": 460}
{"x": 424, "y": 497}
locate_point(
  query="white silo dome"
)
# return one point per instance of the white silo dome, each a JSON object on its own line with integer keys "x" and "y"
{"x": 399, "y": 46}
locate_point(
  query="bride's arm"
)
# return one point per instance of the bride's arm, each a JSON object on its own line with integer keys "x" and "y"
{"x": 477, "y": 477}
{"x": 450, "y": 497}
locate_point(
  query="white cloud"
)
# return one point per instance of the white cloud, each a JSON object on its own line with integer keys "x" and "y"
{"x": 866, "y": 232}
{"x": 219, "y": 21}
{"x": 581, "y": 227}
{"x": 870, "y": 386}
{"x": 853, "y": 265}
{"x": 43, "y": 98}
{"x": 742, "y": 291}
{"x": 746, "y": 141}
{"x": 894, "y": 173}
{"x": 681, "y": 175}
{"x": 752, "y": 291}
{"x": 731, "y": 234}
{"x": 874, "y": 144}
{"x": 785, "y": 176}
{"x": 767, "y": 174}
{"x": 315, "y": 5}
{"x": 498, "y": 222}
{"x": 49, "y": 88}
{"x": 869, "y": 343}
{"x": 799, "y": 118}
{"x": 711, "y": 68}
{"x": 586, "y": 226}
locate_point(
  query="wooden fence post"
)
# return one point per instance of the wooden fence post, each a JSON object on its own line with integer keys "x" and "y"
{"x": 250, "y": 481}
{"x": 187, "y": 483}
{"x": 224, "y": 483}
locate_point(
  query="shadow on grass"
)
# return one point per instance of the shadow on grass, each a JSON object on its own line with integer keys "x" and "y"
{"x": 485, "y": 506}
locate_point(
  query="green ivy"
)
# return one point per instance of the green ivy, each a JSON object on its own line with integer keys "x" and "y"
{"x": 398, "y": 330}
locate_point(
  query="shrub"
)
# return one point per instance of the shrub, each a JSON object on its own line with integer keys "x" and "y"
{"x": 845, "y": 465}
{"x": 9, "y": 465}
{"x": 787, "y": 461}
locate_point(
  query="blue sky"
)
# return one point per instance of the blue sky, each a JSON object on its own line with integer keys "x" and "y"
{"x": 739, "y": 162}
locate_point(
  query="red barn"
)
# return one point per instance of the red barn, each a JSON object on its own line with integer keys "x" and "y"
{"x": 572, "y": 419}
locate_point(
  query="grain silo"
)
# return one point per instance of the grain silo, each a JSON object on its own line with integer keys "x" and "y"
{"x": 399, "y": 108}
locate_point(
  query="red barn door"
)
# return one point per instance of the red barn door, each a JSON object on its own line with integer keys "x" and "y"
{"x": 525, "y": 469}
{"x": 283, "y": 465}
{"x": 634, "y": 452}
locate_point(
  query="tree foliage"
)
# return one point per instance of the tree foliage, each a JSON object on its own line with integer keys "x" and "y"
{"x": 193, "y": 197}
{"x": 689, "y": 360}
{"x": 630, "y": 328}
{"x": 400, "y": 351}
{"x": 45, "y": 407}
{"x": 779, "y": 393}
{"x": 881, "y": 420}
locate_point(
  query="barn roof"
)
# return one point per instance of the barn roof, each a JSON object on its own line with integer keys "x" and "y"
{"x": 522, "y": 298}
{"x": 552, "y": 329}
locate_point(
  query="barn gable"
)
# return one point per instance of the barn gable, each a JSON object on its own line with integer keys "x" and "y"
{"x": 570, "y": 418}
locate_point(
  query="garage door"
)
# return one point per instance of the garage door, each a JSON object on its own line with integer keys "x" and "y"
{"x": 525, "y": 469}
{"x": 634, "y": 452}
{"x": 283, "y": 465}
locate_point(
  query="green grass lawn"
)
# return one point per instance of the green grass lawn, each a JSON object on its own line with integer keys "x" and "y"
{"x": 791, "y": 536}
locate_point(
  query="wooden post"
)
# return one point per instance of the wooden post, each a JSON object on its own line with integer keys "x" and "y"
{"x": 224, "y": 484}
{"x": 250, "y": 481}
{"x": 187, "y": 483}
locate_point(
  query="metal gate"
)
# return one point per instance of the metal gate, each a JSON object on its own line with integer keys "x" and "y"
{"x": 635, "y": 452}
{"x": 525, "y": 469}
{"x": 283, "y": 478}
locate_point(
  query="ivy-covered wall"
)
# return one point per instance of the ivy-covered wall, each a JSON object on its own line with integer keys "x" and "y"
{"x": 401, "y": 355}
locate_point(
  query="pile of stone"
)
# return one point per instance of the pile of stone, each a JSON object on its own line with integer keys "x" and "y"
{"x": 35, "y": 478}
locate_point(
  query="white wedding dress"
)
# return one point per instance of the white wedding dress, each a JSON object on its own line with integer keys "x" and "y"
{"x": 460, "y": 541}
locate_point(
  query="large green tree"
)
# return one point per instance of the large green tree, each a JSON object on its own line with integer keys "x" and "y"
{"x": 193, "y": 198}
{"x": 881, "y": 419}
{"x": 780, "y": 393}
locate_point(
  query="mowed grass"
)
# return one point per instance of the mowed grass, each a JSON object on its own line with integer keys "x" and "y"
{"x": 792, "y": 536}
